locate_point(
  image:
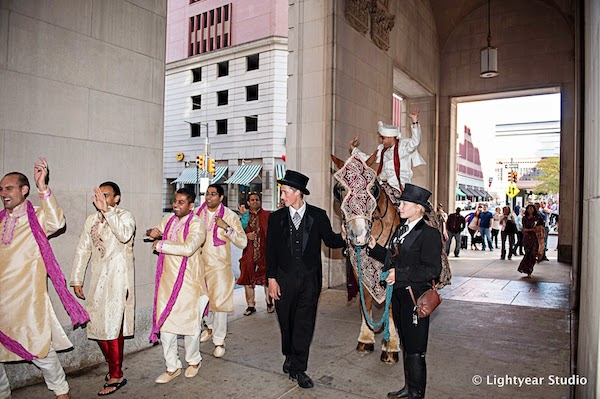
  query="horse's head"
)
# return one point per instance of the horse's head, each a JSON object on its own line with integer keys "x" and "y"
{"x": 355, "y": 191}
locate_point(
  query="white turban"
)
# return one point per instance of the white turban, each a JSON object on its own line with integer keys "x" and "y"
{"x": 387, "y": 130}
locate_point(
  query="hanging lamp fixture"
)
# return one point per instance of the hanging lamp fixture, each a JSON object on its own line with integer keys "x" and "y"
{"x": 489, "y": 55}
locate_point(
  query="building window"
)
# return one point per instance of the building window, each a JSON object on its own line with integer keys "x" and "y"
{"x": 197, "y": 74}
{"x": 210, "y": 30}
{"x": 222, "y": 126}
{"x": 252, "y": 123}
{"x": 222, "y": 97}
{"x": 252, "y": 93}
{"x": 195, "y": 129}
{"x": 222, "y": 68}
{"x": 252, "y": 62}
{"x": 196, "y": 102}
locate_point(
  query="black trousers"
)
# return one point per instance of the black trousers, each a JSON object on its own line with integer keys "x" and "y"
{"x": 519, "y": 244}
{"x": 413, "y": 338}
{"x": 511, "y": 243}
{"x": 297, "y": 312}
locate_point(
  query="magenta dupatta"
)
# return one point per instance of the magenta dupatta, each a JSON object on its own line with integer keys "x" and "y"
{"x": 216, "y": 240}
{"x": 178, "y": 282}
{"x": 74, "y": 309}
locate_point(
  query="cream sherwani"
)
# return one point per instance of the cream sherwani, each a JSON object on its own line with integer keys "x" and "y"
{"x": 217, "y": 260}
{"x": 184, "y": 318}
{"x": 108, "y": 248}
{"x": 26, "y": 313}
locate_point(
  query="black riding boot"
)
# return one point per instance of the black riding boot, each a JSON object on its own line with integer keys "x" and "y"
{"x": 403, "y": 392}
{"x": 417, "y": 375}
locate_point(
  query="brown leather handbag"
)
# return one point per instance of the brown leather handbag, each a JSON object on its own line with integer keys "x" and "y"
{"x": 427, "y": 302}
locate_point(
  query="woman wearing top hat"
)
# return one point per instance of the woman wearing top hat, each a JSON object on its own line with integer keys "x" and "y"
{"x": 414, "y": 259}
{"x": 294, "y": 272}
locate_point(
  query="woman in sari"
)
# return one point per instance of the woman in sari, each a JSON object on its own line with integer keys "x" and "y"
{"x": 531, "y": 220}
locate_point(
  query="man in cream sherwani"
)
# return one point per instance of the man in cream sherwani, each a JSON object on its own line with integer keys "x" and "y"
{"x": 29, "y": 326}
{"x": 106, "y": 245}
{"x": 223, "y": 227}
{"x": 179, "y": 296}
{"x": 396, "y": 156}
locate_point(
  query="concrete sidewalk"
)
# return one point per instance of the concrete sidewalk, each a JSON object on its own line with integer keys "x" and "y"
{"x": 477, "y": 331}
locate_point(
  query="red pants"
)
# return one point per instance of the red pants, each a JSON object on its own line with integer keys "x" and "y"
{"x": 113, "y": 353}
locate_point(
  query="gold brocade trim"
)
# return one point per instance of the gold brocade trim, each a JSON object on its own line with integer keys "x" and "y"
{"x": 97, "y": 241}
{"x": 11, "y": 222}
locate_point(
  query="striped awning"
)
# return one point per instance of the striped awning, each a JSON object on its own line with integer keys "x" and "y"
{"x": 190, "y": 176}
{"x": 279, "y": 171}
{"x": 219, "y": 173}
{"x": 468, "y": 191}
{"x": 460, "y": 193}
{"x": 244, "y": 175}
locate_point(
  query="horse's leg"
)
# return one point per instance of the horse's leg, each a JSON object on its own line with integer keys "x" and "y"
{"x": 390, "y": 351}
{"x": 366, "y": 338}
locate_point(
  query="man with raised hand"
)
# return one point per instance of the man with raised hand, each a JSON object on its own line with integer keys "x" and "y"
{"x": 29, "y": 328}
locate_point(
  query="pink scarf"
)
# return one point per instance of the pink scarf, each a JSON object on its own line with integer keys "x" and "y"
{"x": 74, "y": 309}
{"x": 216, "y": 240}
{"x": 178, "y": 282}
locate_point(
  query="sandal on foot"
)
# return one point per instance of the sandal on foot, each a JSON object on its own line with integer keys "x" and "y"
{"x": 116, "y": 385}
{"x": 249, "y": 310}
{"x": 270, "y": 308}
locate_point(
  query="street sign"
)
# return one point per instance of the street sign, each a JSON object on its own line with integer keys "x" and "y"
{"x": 511, "y": 165}
{"x": 512, "y": 191}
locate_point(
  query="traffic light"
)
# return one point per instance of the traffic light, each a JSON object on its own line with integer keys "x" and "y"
{"x": 515, "y": 176}
{"x": 200, "y": 162}
{"x": 210, "y": 166}
{"x": 510, "y": 176}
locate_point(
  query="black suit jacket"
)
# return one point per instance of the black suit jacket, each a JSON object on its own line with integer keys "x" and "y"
{"x": 418, "y": 260}
{"x": 317, "y": 228}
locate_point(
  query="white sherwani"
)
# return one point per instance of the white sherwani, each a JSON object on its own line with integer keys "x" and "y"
{"x": 26, "y": 313}
{"x": 108, "y": 249}
{"x": 408, "y": 155}
{"x": 184, "y": 318}
{"x": 220, "y": 280}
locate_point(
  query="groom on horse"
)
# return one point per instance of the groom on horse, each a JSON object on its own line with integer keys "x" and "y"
{"x": 395, "y": 155}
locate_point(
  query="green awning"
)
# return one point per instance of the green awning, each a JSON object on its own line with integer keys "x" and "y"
{"x": 244, "y": 175}
{"x": 193, "y": 175}
{"x": 190, "y": 176}
{"x": 279, "y": 171}
{"x": 460, "y": 193}
{"x": 219, "y": 173}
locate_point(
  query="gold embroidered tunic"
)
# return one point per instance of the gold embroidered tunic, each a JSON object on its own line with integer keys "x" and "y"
{"x": 220, "y": 280}
{"x": 108, "y": 250}
{"x": 184, "y": 318}
{"x": 26, "y": 313}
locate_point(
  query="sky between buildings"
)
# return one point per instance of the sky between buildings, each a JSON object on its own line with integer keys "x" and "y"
{"x": 483, "y": 116}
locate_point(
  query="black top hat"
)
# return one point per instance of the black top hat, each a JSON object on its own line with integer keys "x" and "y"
{"x": 417, "y": 195}
{"x": 296, "y": 180}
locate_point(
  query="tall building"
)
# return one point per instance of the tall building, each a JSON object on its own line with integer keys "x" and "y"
{"x": 469, "y": 175}
{"x": 225, "y": 96}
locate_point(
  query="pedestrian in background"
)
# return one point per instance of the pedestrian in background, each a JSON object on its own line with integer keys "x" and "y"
{"x": 253, "y": 262}
{"x": 455, "y": 225}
